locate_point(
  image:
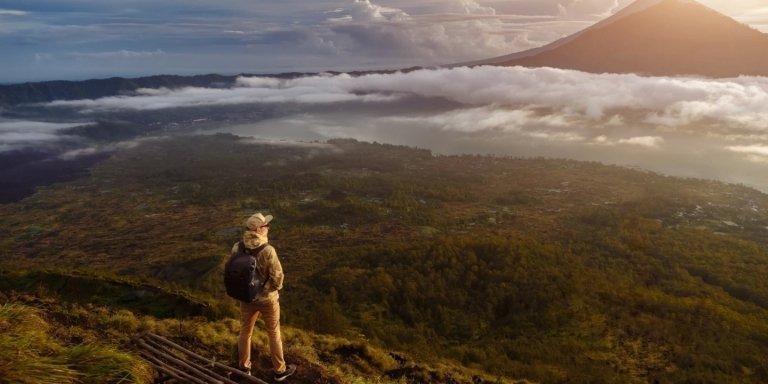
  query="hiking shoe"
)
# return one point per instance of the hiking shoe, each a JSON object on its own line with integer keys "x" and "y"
{"x": 289, "y": 370}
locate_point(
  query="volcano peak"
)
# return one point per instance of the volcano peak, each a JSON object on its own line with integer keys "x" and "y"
{"x": 656, "y": 37}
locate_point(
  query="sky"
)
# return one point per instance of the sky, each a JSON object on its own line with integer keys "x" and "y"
{"x": 81, "y": 39}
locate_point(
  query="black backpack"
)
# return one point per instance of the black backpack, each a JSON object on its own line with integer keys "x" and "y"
{"x": 241, "y": 277}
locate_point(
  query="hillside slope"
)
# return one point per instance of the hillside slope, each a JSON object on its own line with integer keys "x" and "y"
{"x": 548, "y": 270}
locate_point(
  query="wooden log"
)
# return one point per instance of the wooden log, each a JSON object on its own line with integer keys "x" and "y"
{"x": 216, "y": 364}
{"x": 169, "y": 374}
{"x": 180, "y": 363}
{"x": 177, "y": 373}
{"x": 183, "y": 376}
{"x": 202, "y": 369}
{"x": 165, "y": 378}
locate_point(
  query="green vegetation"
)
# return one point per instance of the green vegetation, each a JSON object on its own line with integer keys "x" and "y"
{"x": 31, "y": 355}
{"x": 547, "y": 270}
{"x": 76, "y": 353}
{"x": 100, "y": 289}
{"x": 623, "y": 308}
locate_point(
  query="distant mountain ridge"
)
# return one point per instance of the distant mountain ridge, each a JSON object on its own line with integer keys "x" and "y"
{"x": 658, "y": 38}
{"x": 47, "y": 91}
{"x": 40, "y": 92}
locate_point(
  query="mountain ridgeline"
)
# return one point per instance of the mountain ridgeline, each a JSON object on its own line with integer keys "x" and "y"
{"x": 505, "y": 269}
{"x": 46, "y": 91}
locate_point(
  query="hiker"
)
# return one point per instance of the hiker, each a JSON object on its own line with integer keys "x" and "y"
{"x": 255, "y": 247}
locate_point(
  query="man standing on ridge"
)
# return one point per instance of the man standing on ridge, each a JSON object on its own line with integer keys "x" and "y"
{"x": 266, "y": 303}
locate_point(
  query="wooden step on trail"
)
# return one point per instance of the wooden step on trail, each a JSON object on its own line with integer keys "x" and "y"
{"x": 177, "y": 364}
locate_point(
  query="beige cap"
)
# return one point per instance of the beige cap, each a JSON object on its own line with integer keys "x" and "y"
{"x": 257, "y": 220}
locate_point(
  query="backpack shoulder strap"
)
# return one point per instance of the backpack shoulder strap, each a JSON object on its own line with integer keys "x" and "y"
{"x": 253, "y": 252}
{"x": 260, "y": 248}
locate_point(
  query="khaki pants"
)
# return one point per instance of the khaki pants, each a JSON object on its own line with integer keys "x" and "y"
{"x": 270, "y": 311}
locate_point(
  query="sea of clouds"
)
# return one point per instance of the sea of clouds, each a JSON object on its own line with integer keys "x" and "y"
{"x": 17, "y": 134}
{"x": 684, "y": 126}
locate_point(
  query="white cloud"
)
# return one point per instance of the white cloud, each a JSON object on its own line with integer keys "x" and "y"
{"x": 651, "y": 142}
{"x": 12, "y": 12}
{"x": 468, "y": 7}
{"x": 757, "y": 149}
{"x": 580, "y": 9}
{"x": 314, "y": 90}
{"x": 259, "y": 82}
{"x": 366, "y": 29}
{"x": 366, "y": 11}
{"x": 756, "y": 153}
{"x": 86, "y": 151}
{"x": 525, "y": 122}
{"x": 17, "y": 134}
{"x": 32, "y": 127}
{"x": 644, "y": 141}
{"x": 734, "y": 104}
{"x": 15, "y": 140}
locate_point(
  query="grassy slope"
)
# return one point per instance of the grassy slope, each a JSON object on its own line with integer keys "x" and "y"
{"x": 587, "y": 272}
{"x": 32, "y": 354}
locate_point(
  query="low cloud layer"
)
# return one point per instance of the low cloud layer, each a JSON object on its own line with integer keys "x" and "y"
{"x": 689, "y": 127}
{"x": 95, "y": 149}
{"x": 24, "y": 134}
{"x": 732, "y": 107}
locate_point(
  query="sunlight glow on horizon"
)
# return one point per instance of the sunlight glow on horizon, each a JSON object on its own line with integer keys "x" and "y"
{"x": 751, "y": 12}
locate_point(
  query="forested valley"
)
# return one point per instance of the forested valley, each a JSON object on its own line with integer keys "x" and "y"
{"x": 472, "y": 267}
